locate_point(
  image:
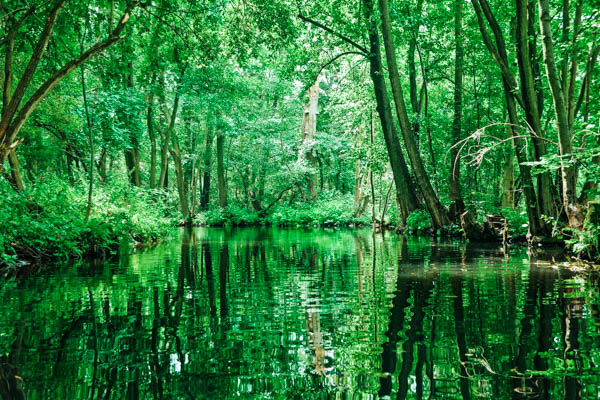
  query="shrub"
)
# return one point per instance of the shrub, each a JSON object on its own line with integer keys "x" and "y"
{"x": 418, "y": 222}
{"x": 517, "y": 221}
{"x": 54, "y": 226}
{"x": 324, "y": 211}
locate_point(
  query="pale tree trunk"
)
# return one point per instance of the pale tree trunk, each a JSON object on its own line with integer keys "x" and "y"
{"x": 439, "y": 215}
{"x": 359, "y": 177}
{"x": 568, "y": 172}
{"x": 308, "y": 130}
{"x": 221, "y": 183}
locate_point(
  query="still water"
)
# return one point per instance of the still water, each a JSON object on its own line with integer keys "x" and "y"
{"x": 293, "y": 314}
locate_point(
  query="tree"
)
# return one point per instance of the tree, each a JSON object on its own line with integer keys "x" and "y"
{"x": 13, "y": 117}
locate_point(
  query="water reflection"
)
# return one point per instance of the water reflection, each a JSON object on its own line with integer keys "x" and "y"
{"x": 263, "y": 313}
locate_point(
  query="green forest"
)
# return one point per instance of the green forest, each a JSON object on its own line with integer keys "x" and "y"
{"x": 124, "y": 119}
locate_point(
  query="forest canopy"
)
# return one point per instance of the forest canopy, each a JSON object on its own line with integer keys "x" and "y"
{"x": 123, "y": 118}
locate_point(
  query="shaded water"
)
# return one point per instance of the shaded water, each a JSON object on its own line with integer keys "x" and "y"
{"x": 268, "y": 314}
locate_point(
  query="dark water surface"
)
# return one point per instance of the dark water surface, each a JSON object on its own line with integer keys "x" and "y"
{"x": 274, "y": 314}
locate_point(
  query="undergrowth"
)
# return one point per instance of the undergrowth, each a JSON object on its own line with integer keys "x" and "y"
{"x": 54, "y": 225}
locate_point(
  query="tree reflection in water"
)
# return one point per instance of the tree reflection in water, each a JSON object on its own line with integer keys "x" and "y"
{"x": 266, "y": 313}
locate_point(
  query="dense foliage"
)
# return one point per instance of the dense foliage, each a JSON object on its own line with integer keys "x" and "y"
{"x": 120, "y": 117}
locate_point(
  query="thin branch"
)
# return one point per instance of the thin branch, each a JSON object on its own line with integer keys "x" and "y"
{"x": 478, "y": 156}
{"x": 334, "y": 59}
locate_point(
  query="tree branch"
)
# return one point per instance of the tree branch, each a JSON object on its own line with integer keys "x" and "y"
{"x": 265, "y": 210}
{"x": 334, "y": 59}
{"x": 499, "y": 53}
{"x": 11, "y": 132}
{"x": 351, "y": 42}
{"x": 9, "y": 111}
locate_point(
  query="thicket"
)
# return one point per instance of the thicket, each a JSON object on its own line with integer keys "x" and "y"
{"x": 53, "y": 227}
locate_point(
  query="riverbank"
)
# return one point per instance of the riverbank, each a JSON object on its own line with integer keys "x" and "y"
{"x": 54, "y": 227}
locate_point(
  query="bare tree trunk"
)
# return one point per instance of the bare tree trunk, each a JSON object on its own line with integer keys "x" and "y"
{"x": 308, "y": 130}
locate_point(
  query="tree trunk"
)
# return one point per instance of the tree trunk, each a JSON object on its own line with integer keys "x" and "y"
{"x": 90, "y": 142}
{"x": 132, "y": 151}
{"x": 207, "y": 158}
{"x": 584, "y": 96}
{"x": 16, "y": 178}
{"x": 152, "y": 137}
{"x": 500, "y": 56}
{"x": 164, "y": 155}
{"x": 455, "y": 197}
{"x": 415, "y": 102}
{"x": 530, "y": 102}
{"x": 437, "y": 211}
{"x": 181, "y": 186}
{"x": 508, "y": 176}
{"x": 359, "y": 176}
{"x": 221, "y": 183}
{"x": 406, "y": 196}
{"x": 568, "y": 172}
{"x": 308, "y": 130}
